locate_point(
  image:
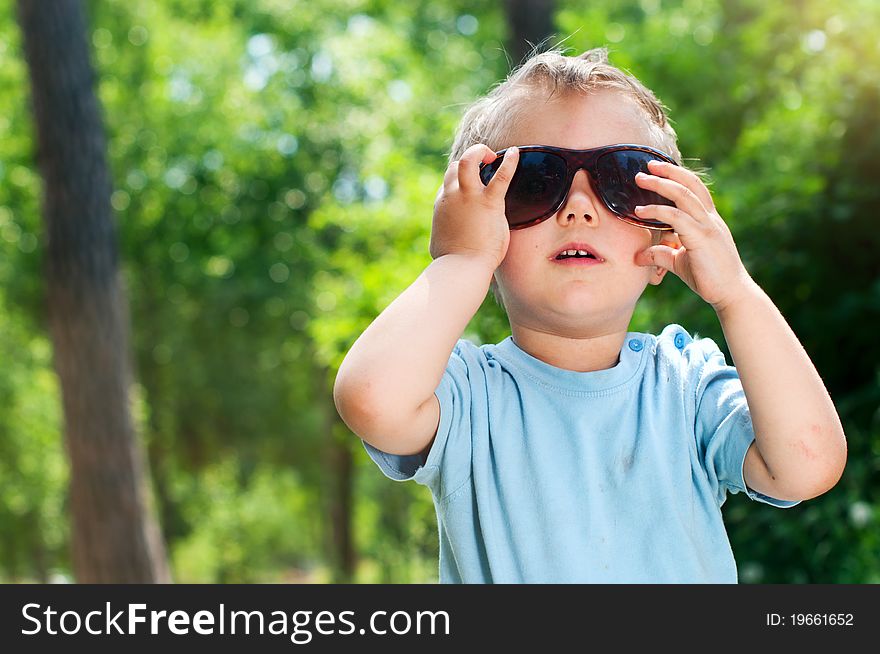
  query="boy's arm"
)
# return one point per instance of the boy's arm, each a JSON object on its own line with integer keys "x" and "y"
{"x": 800, "y": 448}
{"x": 385, "y": 387}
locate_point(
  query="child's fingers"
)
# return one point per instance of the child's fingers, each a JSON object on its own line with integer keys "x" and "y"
{"x": 680, "y": 220}
{"x": 500, "y": 181}
{"x": 660, "y": 255}
{"x": 469, "y": 167}
{"x": 685, "y": 199}
{"x": 451, "y": 174}
{"x": 686, "y": 178}
{"x": 440, "y": 193}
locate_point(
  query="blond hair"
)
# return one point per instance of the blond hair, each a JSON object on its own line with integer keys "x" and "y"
{"x": 491, "y": 119}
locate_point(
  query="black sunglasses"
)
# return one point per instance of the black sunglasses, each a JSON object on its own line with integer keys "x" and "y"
{"x": 544, "y": 174}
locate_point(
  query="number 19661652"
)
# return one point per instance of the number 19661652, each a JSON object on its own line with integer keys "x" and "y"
{"x": 810, "y": 620}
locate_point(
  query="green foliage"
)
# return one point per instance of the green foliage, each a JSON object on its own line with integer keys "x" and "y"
{"x": 33, "y": 469}
{"x": 247, "y": 528}
{"x": 275, "y": 167}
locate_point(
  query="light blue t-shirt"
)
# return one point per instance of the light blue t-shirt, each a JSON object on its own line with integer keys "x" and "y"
{"x": 546, "y": 475}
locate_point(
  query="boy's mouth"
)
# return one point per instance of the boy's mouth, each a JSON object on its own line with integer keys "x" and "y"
{"x": 577, "y": 253}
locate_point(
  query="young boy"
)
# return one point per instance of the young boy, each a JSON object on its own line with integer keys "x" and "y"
{"x": 575, "y": 450}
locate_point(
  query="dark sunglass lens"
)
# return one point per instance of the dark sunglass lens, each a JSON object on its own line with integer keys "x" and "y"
{"x": 487, "y": 171}
{"x": 616, "y": 178}
{"x": 536, "y": 188}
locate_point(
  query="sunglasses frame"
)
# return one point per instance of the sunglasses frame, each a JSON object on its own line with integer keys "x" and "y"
{"x": 586, "y": 159}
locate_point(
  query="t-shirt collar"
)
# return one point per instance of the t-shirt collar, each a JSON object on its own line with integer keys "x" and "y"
{"x": 632, "y": 356}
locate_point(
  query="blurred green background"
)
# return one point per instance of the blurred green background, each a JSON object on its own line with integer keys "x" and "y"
{"x": 274, "y": 168}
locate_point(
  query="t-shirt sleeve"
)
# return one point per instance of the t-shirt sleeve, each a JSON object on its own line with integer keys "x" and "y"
{"x": 448, "y": 463}
{"x": 723, "y": 428}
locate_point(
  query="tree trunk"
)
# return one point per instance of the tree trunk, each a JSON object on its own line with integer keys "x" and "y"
{"x": 114, "y": 537}
{"x": 530, "y": 22}
{"x": 341, "y": 512}
{"x": 338, "y": 483}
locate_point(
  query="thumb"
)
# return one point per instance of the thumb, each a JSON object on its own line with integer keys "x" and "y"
{"x": 658, "y": 255}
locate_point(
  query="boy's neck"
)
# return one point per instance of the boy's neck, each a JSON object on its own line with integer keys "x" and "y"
{"x": 581, "y": 353}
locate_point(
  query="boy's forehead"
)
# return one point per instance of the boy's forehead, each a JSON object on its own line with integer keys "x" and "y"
{"x": 582, "y": 121}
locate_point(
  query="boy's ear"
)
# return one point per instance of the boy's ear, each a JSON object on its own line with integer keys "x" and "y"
{"x": 669, "y": 239}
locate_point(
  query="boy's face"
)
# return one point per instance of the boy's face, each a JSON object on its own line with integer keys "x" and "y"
{"x": 543, "y": 294}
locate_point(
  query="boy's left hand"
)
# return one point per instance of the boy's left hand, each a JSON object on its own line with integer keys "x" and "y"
{"x": 708, "y": 261}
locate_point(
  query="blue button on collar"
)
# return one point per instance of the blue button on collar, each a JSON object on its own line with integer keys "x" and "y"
{"x": 635, "y": 345}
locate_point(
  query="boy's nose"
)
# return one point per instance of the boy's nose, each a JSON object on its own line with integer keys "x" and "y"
{"x": 580, "y": 203}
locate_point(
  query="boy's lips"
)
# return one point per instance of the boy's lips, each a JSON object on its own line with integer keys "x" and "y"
{"x": 576, "y": 253}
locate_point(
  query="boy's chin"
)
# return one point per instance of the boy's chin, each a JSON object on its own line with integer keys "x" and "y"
{"x": 570, "y": 318}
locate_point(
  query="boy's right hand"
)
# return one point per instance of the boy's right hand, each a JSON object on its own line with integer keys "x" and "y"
{"x": 468, "y": 216}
